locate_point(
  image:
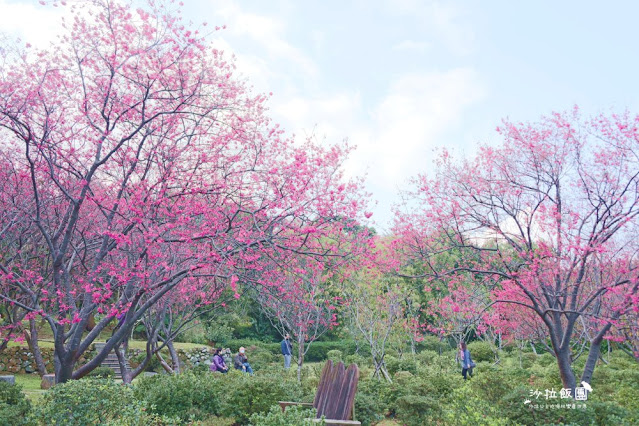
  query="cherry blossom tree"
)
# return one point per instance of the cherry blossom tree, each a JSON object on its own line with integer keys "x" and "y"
{"x": 550, "y": 214}
{"x": 628, "y": 334}
{"x": 162, "y": 323}
{"x": 458, "y": 312}
{"x": 145, "y": 169}
{"x": 300, "y": 305}
{"x": 379, "y": 306}
{"x": 375, "y": 310}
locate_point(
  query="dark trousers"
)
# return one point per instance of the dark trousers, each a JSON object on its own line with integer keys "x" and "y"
{"x": 468, "y": 371}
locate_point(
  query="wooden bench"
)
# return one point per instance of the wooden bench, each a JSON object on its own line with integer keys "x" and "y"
{"x": 335, "y": 396}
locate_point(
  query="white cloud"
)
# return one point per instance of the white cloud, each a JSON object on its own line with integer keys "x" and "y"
{"x": 416, "y": 112}
{"x": 445, "y": 21}
{"x": 328, "y": 116}
{"x": 411, "y": 45}
{"x": 396, "y": 136}
{"x": 267, "y": 31}
{"x": 34, "y": 23}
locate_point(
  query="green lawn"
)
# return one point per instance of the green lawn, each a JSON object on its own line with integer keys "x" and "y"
{"x": 30, "y": 385}
{"x": 133, "y": 344}
{"x": 31, "y": 382}
{"x": 141, "y": 344}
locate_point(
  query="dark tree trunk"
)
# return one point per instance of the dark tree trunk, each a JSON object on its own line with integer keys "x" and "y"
{"x": 163, "y": 363}
{"x": 593, "y": 354}
{"x": 300, "y": 358}
{"x": 380, "y": 368}
{"x": 90, "y": 323}
{"x": 565, "y": 369}
{"x": 63, "y": 367}
{"x": 174, "y": 357}
{"x": 32, "y": 341}
{"x": 129, "y": 375}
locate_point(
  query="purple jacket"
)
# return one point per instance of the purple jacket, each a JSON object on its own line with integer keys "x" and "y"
{"x": 218, "y": 364}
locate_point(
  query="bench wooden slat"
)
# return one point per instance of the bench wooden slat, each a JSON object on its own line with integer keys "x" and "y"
{"x": 335, "y": 396}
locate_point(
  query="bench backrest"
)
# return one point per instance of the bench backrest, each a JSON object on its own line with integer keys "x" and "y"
{"x": 335, "y": 397}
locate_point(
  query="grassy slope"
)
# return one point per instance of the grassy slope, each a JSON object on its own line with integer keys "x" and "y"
{"x": 133, "y": 344}
{"x": 31, "y": 382}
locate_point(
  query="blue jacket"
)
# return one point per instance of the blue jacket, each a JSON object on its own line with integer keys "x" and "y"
{"x": 467, "y": 359}
{"x": 286, "y": 346}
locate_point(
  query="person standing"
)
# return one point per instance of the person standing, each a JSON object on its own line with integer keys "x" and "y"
{"x": 466, "y": 361}
{"x": 287, "y": 350}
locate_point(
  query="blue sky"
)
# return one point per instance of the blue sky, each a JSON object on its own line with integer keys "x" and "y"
{"x": 400, "y": 78}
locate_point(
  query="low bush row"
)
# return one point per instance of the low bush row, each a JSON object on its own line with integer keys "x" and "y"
{"x": 317, "y": 352}
{"x": 427, "y": 388}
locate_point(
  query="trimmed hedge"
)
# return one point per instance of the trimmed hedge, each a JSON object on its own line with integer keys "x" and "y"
{"x": 199, "y": 396}
{"x": 317, "y": 352}
{"x": 89, "y": 401}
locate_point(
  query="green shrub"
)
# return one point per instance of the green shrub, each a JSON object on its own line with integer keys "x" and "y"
{"x": 493, "y": 384}
{"x": 407, "y": 363}
{"x": 481, "y": 351}
{"x": 416, "y": 410}
{"x": 195, "y": 334}
{"x": 528, "y": 359}
{"x": 184, "y": 396}
{"x": 545, "y": 360}
{"x": 510, "y": 349}
{"x": 153, "y": 365}
{"x": 292, "y": 416}
{"x": 609, "y": 413}
{"x": 191, "y": 396}
{"x": 152, "y": 419}
{"x": 427, "y": 356}
{"x": 622, "y": 361}
{"x": 15, "y": 408}
{"x": 367, "y": 408}
{"x": 252, "y": 344}
{"x": 356, "y": 359}
{"x": 260, "y": 358}
{"x": 432, "y": 343}
{"x": 102, "y": 372}
{"x": 444, "y": 363}
{"x": 221, "y": 334}
{"x": 245, "y": 395}
{"x": 89, "y": 401}
{"x": 201, "y": 368}
{"x": 545, "y": 377}
{"x": 335, "y": 355}
{"x": 512, "y": 406}
{"x": 318, "y": 351}
{"x": 407, "y": 393}
{"x": 627, "y": 397}
{"x": 376, "y": 399}
{"x": 467, "y": 408}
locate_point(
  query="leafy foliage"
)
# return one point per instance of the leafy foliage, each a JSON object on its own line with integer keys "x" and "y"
{"x": 481, "y": 351}
{"x": 191, "y": 396}
{"x": 90, "y": 401}
{"x": 14, "y": 406}
{"x": 292, "y": 416}
{"x": 102, "y": 372}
